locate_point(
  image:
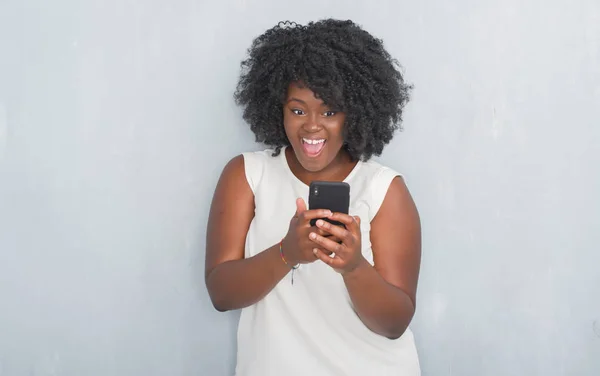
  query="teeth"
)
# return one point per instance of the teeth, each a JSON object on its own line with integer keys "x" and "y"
{"x": 313, "y": 142}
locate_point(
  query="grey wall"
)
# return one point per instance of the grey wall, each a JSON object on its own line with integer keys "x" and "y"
{"x": 109, "y": 116}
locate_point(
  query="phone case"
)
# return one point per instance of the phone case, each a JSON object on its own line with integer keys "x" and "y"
{"x": 334, "y": 196}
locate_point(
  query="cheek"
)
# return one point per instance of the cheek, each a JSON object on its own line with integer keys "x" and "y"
{"x": 336, "y": 132}
{"x": 288, "y": 126}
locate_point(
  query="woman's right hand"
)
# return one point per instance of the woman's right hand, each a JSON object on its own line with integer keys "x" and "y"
{"x": 297, "y": 247}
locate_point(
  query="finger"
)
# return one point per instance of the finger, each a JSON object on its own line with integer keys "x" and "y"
{"x": 349, "y": 221}
{"x": 327, "y": 235}
{"x": 300, "y": 206}
{"x": 325, "y": 243}
{"x": 321, "y": 232}
{"x": 334, "y": 262}
{"x": 315, "y": 213}
{"x": 328, "y": 253}
{"x": 334, "y": 238}
{"x": 328, "y": 228}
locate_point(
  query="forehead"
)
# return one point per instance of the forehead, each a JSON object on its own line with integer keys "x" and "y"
{"x": 303, "y": 93}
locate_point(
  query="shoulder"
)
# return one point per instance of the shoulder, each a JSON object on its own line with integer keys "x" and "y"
{"x": 379, "y": 174}
{"x": 248, "y": 167}
{"x": 256, "y": 157}
{"x": 397, "y": 198}
{"x": 381, "y": 179}
{"x": 233, "y": 172}
{"x": 393, "y": 198}
{"x": 255, "y": 165}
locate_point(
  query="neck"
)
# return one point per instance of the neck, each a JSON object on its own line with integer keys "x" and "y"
{"x": 337, "y": 170}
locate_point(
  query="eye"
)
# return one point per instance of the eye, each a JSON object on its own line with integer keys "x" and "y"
{"x": 330, "y": 113}
{"x": 298, "y": 112}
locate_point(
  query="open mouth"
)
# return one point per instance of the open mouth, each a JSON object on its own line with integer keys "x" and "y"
{"x": 313, "y": 147}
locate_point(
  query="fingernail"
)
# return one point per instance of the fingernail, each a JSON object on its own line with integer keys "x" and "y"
{"x": 315, "y": 251}
{"x": 313, "y": 236}
{"x": 320, "y": 223}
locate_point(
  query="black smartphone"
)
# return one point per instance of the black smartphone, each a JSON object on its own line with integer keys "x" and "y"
{"x": 331, "y": 195}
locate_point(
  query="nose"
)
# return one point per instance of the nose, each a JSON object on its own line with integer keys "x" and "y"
{"x": 311, "y": 124}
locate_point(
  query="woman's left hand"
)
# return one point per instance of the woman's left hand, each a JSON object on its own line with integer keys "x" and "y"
{"x": 348, "y": 253}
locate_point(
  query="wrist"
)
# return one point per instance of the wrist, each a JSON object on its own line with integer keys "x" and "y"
{"x": 285, "y": 256}
{"x": 361, "y": 266}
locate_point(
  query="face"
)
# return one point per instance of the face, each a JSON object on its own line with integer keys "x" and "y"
{"x": 313, "y": 129}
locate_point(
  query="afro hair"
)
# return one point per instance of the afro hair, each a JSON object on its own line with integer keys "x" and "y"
{"x": 345, "y": 66}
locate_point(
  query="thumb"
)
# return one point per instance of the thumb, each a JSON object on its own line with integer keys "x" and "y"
{"x": 300, "y": 206}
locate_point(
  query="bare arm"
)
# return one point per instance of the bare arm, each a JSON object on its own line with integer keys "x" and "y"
{"x": 384, "y": 296}
{"x": 234, "y": 282}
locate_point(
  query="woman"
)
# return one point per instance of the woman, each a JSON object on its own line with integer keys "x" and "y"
{"x": 322, "y": 300}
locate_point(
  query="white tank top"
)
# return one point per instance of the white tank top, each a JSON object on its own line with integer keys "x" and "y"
{"x": 310, "y": 328}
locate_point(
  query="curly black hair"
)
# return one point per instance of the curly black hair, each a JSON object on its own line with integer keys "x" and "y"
{"x": 342, "y": 64}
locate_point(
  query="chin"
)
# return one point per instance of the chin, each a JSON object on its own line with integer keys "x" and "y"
{"x": 313, "y": 163}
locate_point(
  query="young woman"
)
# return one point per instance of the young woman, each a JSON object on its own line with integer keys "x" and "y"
{"x": 323, "y": 299}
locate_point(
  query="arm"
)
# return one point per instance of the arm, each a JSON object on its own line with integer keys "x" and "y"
{"x": 232, "y": 281}
{"x": 383, "y": 295}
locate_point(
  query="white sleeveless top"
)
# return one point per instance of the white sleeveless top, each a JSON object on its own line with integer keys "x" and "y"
{"x": 310, "y": 328}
